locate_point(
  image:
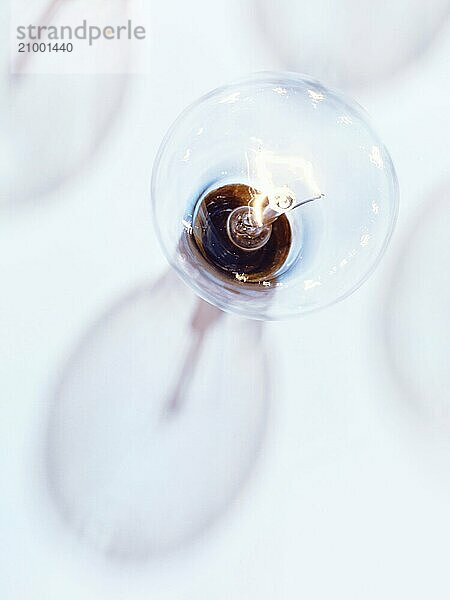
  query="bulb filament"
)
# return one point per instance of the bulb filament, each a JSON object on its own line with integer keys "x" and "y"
{"x": 249, "y": 227}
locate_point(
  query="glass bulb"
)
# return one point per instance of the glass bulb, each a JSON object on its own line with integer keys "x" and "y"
{"x": 273, "y": 196}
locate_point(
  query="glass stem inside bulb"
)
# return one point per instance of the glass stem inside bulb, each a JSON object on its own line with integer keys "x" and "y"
{"x": 250, "y": 227}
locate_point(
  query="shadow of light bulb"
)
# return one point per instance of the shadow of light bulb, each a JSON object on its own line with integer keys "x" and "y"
{"x": 57, "y": 107}
{"x": 351, "y": 43}
{"x": 417, "y": 313}
{"x": 156, "y": 422}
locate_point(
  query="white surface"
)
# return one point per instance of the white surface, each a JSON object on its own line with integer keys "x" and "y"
{"x": 417, "y": 312}
{"x": 351, "y": 498}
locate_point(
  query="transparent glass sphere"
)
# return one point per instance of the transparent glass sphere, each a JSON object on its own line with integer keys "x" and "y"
{"x": 285, "y": 145}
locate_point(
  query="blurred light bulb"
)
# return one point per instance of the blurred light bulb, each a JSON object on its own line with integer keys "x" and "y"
{"x": 416, "y": 314}
{"x": 57, "y": 109}
{"x": 351, "y": 43}
{"x": 155, "y": 426}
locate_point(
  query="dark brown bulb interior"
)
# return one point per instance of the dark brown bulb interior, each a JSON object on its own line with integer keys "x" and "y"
{"x": 209, "y": 233}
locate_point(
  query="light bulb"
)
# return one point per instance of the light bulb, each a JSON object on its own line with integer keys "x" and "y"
{"x": 273, "y": 196}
